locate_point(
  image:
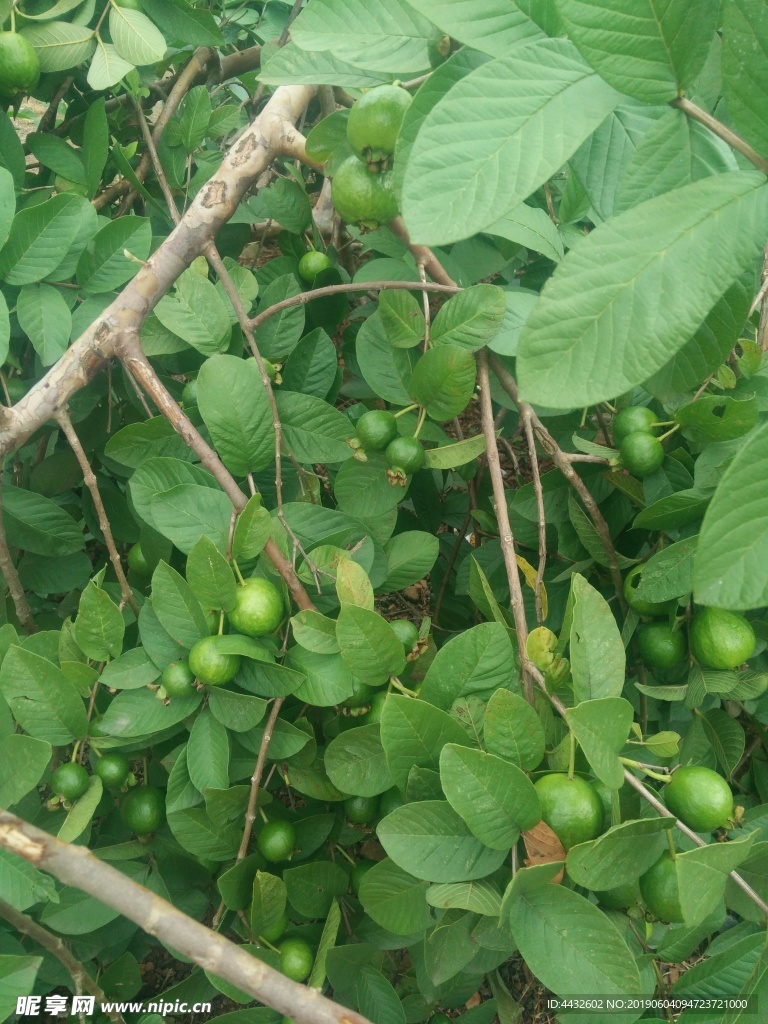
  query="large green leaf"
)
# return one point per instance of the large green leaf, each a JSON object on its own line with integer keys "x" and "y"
{"x": 380, "y": 35}
{"x": 176, "y": 606}
{"x": 394, "y": 899}
{"x": 313, "y": 430}
{"x": 479, "y": 660}
{"x": 369, "y": 645}
{"x": 496, "y": 136}
{"x": 620, "y": 856}
{"x": 602, "y": 728}
{"x": 733, "y": 544}
{"x": 197, "y": 313}
{"x": 35, "y": 523}
{"x": 597, "y": 653}
{"x": 291, "y": 65}
{"x": 650, "y": 49}
{"x": 59, "y": 45}
{"x": 470, "y": 319}
{"x": 99, "y": 626}
{"x": 210, "y": 576}
{"x": 491, "y": 26}
{"x": 135, "y": 37}
{"x": 385, "y": 366}
{"x": 43, "y": 701}
{"x": 444, "y": 380}
{"x": 745, "y": 69}
{"x": 356, "y": 762}
{"x": 23, "y": 759}
{"x": 107, "y": 67}
{"x": 45, "y": 318}
{"x": 513, "y": 730}
{"x": 495, "y": 798}
{"x": 430, "y": 840}
{"x": 234, "y": 404}
{"x": 669, "y": 573}
{"x": 636, "y": 289}
{"x": 413, "y": 734}
{"x": 106, "y": 263}
{"x": 187, "y": 511}
{"x": 39, "y": 239}
{"x": 208, "y": 753}
{"x": 570, "y": 945}
{"x": 184, "y": 23}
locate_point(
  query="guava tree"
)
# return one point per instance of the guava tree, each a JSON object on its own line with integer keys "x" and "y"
{"x": 384, "y": 507}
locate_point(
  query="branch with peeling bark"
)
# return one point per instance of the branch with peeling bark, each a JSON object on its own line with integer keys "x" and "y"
{"x": 77, "y": 866}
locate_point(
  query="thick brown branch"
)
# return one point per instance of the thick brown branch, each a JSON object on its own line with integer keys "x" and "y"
{"x": 75, "y": 865}
{"x": 422, "y": 254}
{"x": 502, "y": 518}
{"x": 53, "y": 944}
{"x": 212, "y": 207}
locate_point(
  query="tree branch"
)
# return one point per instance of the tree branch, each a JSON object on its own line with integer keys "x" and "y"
{"x": 53, "y": 944}
{"x": 77, "y": 866}
{"x": 526, "y": 419}
{"x": 502, "y": 517}
{"x": 721, "y": 131}
{"x": 8, "y": 569}
{"x": 421, "y": 253}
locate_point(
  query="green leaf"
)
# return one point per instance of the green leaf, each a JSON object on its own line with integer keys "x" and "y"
{"x": 280, "y": 335}
{"x": 43, "y": 701}
{"x": 252, "y": 530}
{"x": 45, "y": 318}
{"x": 234, "y": 404}
{"x": 184, "y": 513}
{"x": 12, "y": 154}
{"x": 60, "y": 45}
{"x": 313, "y": 430}
{"x": 197, "y": 313}
{"x": 470, "y": 319}
{"x": 513, "y": 730}
{"x": 194, "y": 118}
{"x": 363, "y": 491}
{"x": 23, "y": 760}
{"x": 477, "y": 661}
{"x": 745, "y": 85}
{"x": 602, "y": 728}
{"x": 605, "y": 298}
{"x": 430, "y": 840}
{"x": 21, "y": 884}
{"x": 210, "y": 576}
{"x": 95, "y": 145}
{"x": 733, "y": 543}
{"x": 196, "y": 833}
{"x": 237, "y": 711}
{"x": 449, "y": 456}
{"x": 597, "y": 652}
{"x": 99, "y": 626}
{"x": 353, "y": 585}
{"x": 326, "y": 944}
{"x": 727, "y": 738}
{"x": 208, "y": 753}
{"x": 135, "y": 37}
{"x": 107, "y": 67}
{"x": 176, "y": 606}
{"x": 410, "y": 556}
{"x": 480, "y": 897}
{"x": 313, "y": 887}
{"x": 413, "y": 733}
{"x": 674, "y": 510}
{"x": 493, "y": 26}
{"x": 495, "y": 798}
{"x": 570, "y": 945}
{"x": 291, "y": 65}
{"x": 287, "y": 203}
{"x": 104, "y": 266}
{"x": 376, "y": 997}
{"x": 669, "y": 573}
{"x": 385, "y": 367}
{"x": 371, "y": 34}
{"x": 394, "y": 899}
{"x": 53, "y": 152}
{"x": 268, "y": 902}
{"x": 83, "y": 810}
{"x": 311, "y": 368}
{"x": 17, "y": 978}
{"x": 369, "y": 645}
{"x": 532, "y": 228}
{"x": 703, "y": 873}
{"x": 39, "y": 239}
{"x": 183, "y": 23}
{"x": 402, "y": 318}
{"x": 528, "y": 111}
{"x": 714, "y": 418}
{"x": 646, "y": 50}
{"x": 326, "y": 678}
{"x": 140, "y": 713}
{"x": 443, "y": 381}
{"x": 618, "y": 857}
{"x": 315, "y": 632}
{"x": 356, "y": 763}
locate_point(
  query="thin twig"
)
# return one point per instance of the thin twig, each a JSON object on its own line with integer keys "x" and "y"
{"x": 525, "y": 416}
{"x": 421, "y": 254}
{"x": 502, "y": 517}
{"x": 340, "y": 289}
{"x": 721, "y": 131}
{"x": 89, "y": 478}
{"x": 8, "y": 569}
{"x": 48, "y": 120}
{"x": 54, "y": 945}
{"x": 562, "y": 461}
{"x": 258, "y": 771}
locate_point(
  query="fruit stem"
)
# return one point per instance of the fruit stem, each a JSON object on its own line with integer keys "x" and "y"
{"x": 239, "y": 575}
{"x": 145, "y": 762}
{"x": 420, "y": 424}
{"x": 670, "y": 432}
{"x": 408, "y": 408}
{"x": 264, "y": 818}
{"x": 75, "y": 751}
{"x": 268, "y": 944}
{"x": 344, "y": 854}
{"x": 571, "y": 754}
{"x": 663, "y": 423}
{"x": 221, "y": 622}
{"x": 671, "y": 843}
{"x": 646, "y": 771}
{"x": 394, "y": 681}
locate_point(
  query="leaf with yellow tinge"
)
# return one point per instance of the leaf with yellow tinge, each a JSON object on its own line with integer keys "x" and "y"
{"x": 529, "y": 574}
